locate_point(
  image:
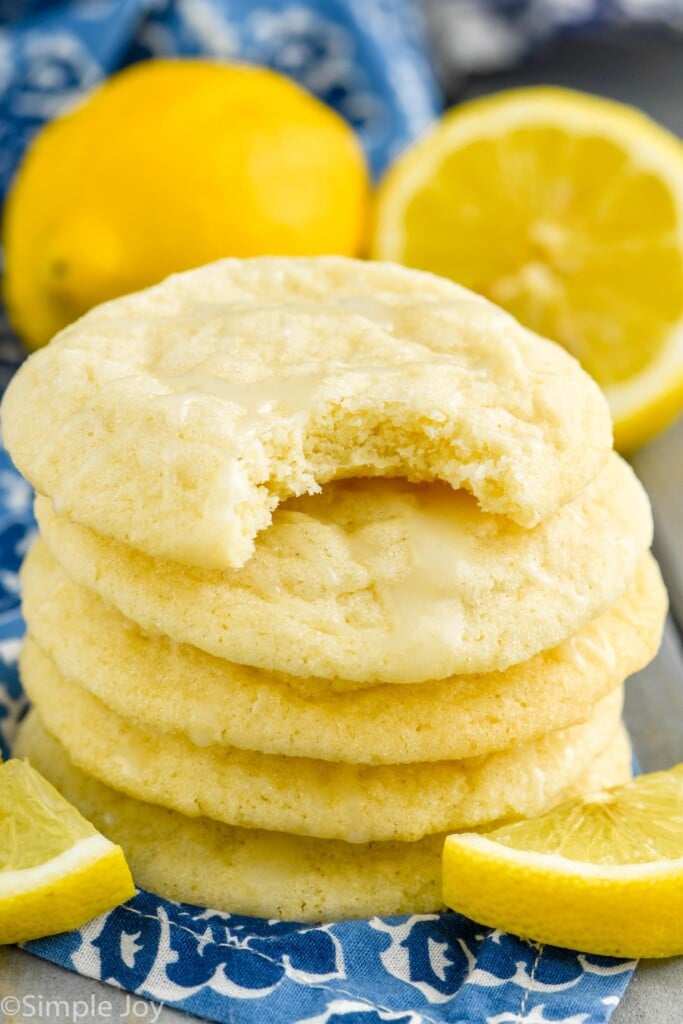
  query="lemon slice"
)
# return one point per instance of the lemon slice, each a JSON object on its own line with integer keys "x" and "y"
{"x": 603, "y": 874}
{"x": 56, "y": 870}
{"x": 567, "y": 210}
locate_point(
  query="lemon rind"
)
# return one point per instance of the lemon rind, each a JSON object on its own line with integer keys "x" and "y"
{"x": 556, "y": 864}
{"x": 83, "y": 852}
{"x": 68, "y": 895}
{"x": 632, "y": 910}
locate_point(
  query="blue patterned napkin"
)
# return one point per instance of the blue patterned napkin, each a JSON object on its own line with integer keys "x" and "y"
{"x": 422, "y": 969}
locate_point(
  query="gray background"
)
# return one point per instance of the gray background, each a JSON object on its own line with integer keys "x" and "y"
{"x": 646, "y": 69}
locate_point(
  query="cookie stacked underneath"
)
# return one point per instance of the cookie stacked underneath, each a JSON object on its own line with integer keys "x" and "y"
{"x": 334, "y": 559}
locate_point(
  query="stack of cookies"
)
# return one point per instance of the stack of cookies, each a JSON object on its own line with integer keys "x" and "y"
{"x": 335, "y": 558}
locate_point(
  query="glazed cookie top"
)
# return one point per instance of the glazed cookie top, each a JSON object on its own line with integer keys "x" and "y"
{"x": 382, "y": 580}
{"x": 177, "y": 419}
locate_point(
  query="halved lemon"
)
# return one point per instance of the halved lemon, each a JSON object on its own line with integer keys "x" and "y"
{"x": 56, "y": 871}
{"x": 603, "y": 874}
{"x": 567, "y": 210}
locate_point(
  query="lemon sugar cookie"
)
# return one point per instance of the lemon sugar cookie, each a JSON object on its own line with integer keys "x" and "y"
{"x": 187, "y": 412}
{"x": 356, "y": 803}
{"x": 382, "y": 580}
{"x": 153, "y": 682}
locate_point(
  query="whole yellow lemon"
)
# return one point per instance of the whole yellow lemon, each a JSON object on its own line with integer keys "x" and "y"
{"x": 168, "y": 165}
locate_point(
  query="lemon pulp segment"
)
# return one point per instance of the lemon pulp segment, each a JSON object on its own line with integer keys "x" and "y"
{"x": 568, "y": 211}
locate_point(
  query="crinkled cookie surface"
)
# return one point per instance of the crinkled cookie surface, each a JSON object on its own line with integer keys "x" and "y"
{"x": 176, "y": 420}
{"x": 382, "y": 580}
{"x": 302, "y": 796}
{"x": 457, "y": 717}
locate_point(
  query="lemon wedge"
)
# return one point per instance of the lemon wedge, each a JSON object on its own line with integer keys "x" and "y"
{"x": 56, "y": 870}
{"x": 567, "y": 210}
{"x": 603, "y": 874}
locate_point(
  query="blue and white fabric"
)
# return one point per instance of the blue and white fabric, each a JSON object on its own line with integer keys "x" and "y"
{"x": 422, "y": 969}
